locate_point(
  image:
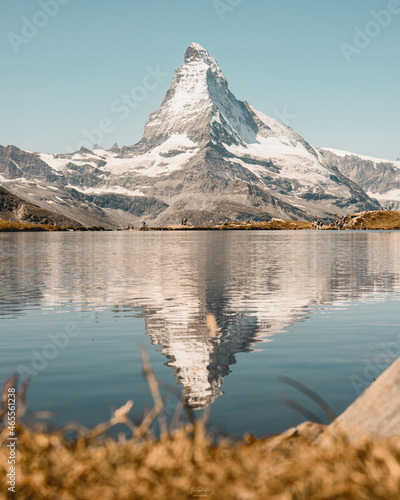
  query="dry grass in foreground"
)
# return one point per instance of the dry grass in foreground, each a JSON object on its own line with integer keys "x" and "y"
{"x": 187, "y": 462}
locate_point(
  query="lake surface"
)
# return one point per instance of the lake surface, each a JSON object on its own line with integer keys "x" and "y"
{"x": 319, "y": 307}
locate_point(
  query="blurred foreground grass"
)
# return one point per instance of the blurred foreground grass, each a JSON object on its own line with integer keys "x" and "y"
{"x": 186, "y": 461}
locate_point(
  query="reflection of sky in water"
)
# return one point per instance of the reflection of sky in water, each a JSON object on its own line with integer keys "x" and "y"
{"x": 257, "y": 284}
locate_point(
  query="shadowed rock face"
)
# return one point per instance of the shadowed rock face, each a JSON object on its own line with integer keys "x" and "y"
{"x": 204, "y": 155}
{"x": 15, "y": 164}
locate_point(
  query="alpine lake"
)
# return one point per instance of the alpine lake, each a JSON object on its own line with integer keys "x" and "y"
{"x": 319, "y": 307}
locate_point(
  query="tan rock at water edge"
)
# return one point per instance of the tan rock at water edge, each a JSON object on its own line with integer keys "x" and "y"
{"x": 375, "y": 414}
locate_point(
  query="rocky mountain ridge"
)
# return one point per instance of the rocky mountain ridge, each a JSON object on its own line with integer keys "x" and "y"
{"x": 379, "y": 178}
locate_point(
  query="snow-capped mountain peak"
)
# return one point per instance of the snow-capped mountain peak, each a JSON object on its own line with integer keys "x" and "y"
{"x": 195, "y": 54}
{"x": 204, "y": 155}
{"x": 200, "y": 105}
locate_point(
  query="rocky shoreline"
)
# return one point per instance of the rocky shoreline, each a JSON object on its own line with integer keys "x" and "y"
{"x": 382, "y": 220}
{"x": 367, "y": 220}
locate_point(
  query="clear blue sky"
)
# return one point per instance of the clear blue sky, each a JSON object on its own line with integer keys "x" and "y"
{"x": 278, "y": 55}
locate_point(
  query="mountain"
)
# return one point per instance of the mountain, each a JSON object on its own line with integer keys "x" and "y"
{"x": 13, "y": 208}
{"x": 36, "y": 179}
{"x": 380, "y": 179}
{"x": 204, "y": 155}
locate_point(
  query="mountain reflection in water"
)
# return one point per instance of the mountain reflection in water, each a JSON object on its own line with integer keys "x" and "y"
{"x": 256, "y": 284}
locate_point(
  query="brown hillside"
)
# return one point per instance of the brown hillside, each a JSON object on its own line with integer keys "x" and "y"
{"x": 383, "y": 219}
{"x": 13, "y": 208}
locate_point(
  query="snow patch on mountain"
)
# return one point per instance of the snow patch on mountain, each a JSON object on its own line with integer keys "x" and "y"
{"x": 161, "y": 160}
{"x": 386, "y": 197}
{"x": 109, "y": 190}
{"x": 164, "y": 159}
{"x": 53, "y": 161}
